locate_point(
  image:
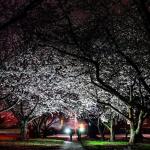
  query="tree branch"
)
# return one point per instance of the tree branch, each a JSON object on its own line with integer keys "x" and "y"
{"x": 21, "y": 13}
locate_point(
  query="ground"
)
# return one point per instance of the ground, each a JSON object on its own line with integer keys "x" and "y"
{"x": 61, "y": 142}
{"x": 72, "y": 146}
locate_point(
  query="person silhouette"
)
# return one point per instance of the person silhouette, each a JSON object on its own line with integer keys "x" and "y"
{"x": 70, "y": 134}
{"x": 79, "y": 134}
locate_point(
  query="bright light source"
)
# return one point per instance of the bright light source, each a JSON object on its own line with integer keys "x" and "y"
{"x": 67, "y": 130}
{"x": 81, "y": 130}
{"x": 81, "y": 125}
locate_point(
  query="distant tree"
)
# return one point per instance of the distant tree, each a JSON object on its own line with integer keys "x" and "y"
{"x": 43, "y": 124}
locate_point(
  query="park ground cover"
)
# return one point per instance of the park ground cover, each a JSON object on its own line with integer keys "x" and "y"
{"x": 33, "y": 143}
{"x": 95, "y": 144}
{"x": 44, "y": 144}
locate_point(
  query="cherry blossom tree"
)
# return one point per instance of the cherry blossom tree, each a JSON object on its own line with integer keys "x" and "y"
{"x": 6, "y": 98}
{"x": 112, "y": 55}
{"x": 35, "y": 85}
{"x": 42, "y": 125}
{"x": 113, "y": 104}
{"x": 109, "y": 38}
{"x": 43, "y": 84}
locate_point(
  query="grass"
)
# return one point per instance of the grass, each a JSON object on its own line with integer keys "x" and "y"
{"x": 34, "y": 142}
{"x": 104, "y": 143}
{"x": 94, "y": 144}
{"x": 55, "y": 143}
{"x": 144, "y": 146}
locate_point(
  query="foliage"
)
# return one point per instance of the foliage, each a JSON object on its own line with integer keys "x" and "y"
{"x": 106, "y": 41}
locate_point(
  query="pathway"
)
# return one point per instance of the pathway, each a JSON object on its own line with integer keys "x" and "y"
{"x": 71, "y": 146}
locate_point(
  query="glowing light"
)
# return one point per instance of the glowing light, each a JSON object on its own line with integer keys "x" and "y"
{"x": 82, "y": 130}
{"x": 67, "y": 130}
{"x": 81, "y": 125}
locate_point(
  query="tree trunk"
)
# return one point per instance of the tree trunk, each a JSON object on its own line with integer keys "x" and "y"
{"x": 103, "y": 136}
{"x": 112, "y": 131}
{"x": 101, "y": 129}
{"x": 37, "y": 131}
{"x": 24, "y": 129}
{"x": 135, "y": 130}
{"x": 132, "y": 133}
{"x": 139, "y": 136}
{"x": 135, "y": 136}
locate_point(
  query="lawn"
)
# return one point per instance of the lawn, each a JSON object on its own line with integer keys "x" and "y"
{"x": 34, "y": 142}
{"x": 44, "y": 144}
{"x": 104, "y": 143}
{"x": 117, "y": 145}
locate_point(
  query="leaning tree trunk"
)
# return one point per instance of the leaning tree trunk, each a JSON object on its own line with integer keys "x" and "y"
{"x": 132, "y": 133}
{"x": 135, "y": 130}
{"x": 112, "y": 131}
{"x": 111, "y": 127}
{"x": 24, "y": 129}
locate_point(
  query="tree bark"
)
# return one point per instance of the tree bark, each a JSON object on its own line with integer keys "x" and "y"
{"x": 24, "y": 129}
{"x": 132, "y": 133}
{"x": 101, "y": 129}
{"x": 112, "y": 131}
{"x": 138, "y": 132}
{"x": 135, "y": 129}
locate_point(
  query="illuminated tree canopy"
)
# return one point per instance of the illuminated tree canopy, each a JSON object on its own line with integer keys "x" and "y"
{"x": 81, "y": 57}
